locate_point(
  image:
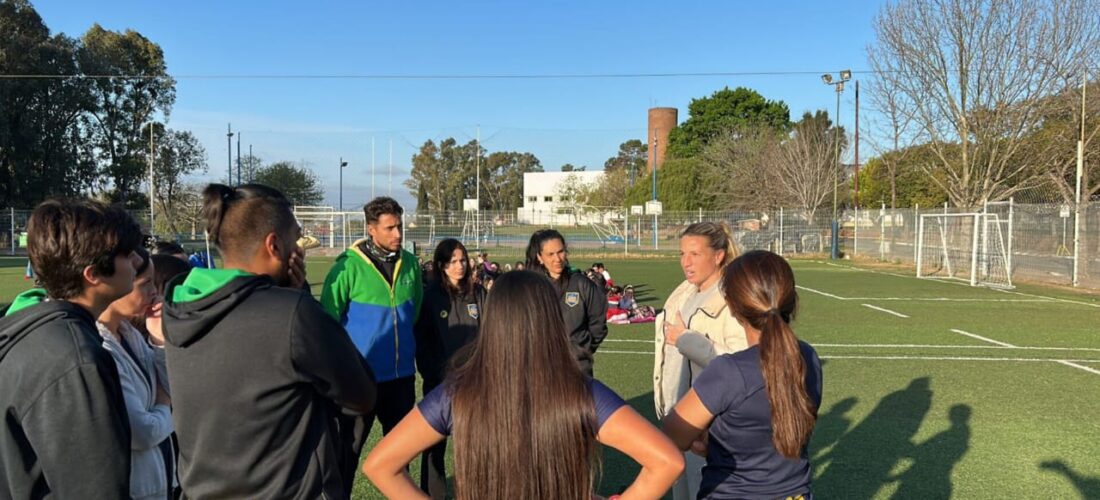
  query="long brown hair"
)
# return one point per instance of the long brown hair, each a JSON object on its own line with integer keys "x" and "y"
{"x": 759, "y": 288}
{"x": 524, "y": 420}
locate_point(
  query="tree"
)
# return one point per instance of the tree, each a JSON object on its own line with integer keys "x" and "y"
{"x": 568, "y": 167}
{"x": 612, "y": 188}
{"x": 129, "y": 82}
{"x": 724, "y": 110}
{"x": 679, "y": 186}
{"x": 297, "y": 182}
{"x": 43, "y": 150}
{"x": 907, "y": 186}
{"x": 736, "y": 169}
{"x": 890, "y": 141}
{"x": 504, "y": 175}
{"x": 972, "y": 74}
{"x": 806, "y": 175}
{"x": 177, "y": 154}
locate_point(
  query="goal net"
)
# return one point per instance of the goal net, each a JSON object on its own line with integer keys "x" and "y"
{"x": 970, "y": 247}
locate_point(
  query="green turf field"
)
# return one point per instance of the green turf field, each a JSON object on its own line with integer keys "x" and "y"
{"x": 932, "y": 389}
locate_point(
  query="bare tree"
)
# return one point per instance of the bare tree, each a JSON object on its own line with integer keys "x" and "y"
{"x": 891, "y": 142}
{"x": 737, "y": 168}
{"x": 806, "y": 173}
{"x": 972, "y": 75}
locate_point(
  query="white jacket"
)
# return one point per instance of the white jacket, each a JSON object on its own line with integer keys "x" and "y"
{"x": 150, "y": 423}
{"x": 672, "y": 376}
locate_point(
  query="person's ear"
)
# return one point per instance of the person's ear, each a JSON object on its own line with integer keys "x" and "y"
{"x": 272, "y": 247}
{"x": 91, "y": 277}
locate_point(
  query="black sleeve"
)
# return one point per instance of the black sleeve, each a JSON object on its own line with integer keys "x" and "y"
{"x": 323, "y": 354}
{"x": 80, "y": 433}
{"x": 595, "y": 306}
{"x": 428, "y": 361}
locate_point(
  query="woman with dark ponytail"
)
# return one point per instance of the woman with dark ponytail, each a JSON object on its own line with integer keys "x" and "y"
{"x": 760, "y": 404}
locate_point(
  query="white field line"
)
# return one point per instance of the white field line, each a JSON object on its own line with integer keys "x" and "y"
{"x": 1054, "y": 299}
{"x": 944, "y": 346}
{"x": 819, "y": 292}
{"x": 943, "y": 299}
{"x": 630, "y": 341}
{"x": 979, "y": 337}
{"x": 887, "y": 311}
{"x": 1080, "y": 367}
{"x": 919, "y": 358}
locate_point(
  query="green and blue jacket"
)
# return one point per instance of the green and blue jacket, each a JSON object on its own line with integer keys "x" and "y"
{"x": 378, "y": 317}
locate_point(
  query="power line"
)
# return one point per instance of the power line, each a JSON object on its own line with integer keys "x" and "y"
{"x": 517, "y": 76}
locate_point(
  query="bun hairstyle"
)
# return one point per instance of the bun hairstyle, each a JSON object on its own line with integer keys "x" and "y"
{"x": 718, "y": 235}
{"x": 238, "y": 219}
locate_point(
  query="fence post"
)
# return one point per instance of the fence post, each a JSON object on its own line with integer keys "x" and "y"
{"x": 920, "y": 231}
{"x": 13, "y": 240}
{"x": 626, "y": 232}
{"x": 780, "y": 252}
{"x": 882, "y": 232}
{"x": 855, "y": 235}
{"x": 1011, "y": 216}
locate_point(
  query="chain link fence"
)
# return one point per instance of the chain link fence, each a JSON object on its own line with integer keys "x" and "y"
{"x": 1039, "y": 237}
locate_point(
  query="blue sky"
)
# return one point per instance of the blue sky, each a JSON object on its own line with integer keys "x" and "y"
{"x": 578, "y": 121}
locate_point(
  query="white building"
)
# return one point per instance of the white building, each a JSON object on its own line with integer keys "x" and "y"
{"x": 542, "y": 192}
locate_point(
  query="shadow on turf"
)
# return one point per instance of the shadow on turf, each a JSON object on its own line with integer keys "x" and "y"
{"x": 1088, "y": 487}
{"x": 863, "y": 459}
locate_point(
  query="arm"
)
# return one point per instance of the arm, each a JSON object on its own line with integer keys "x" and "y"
{"x": 688, "y": 421}
{"x": 696, "y": 347}
{"x": 630, "y": 433}
{"x": 336, "y": 292}
{"x": 596, "y": 307}
{"x": 386, "y": 466}
{"x": 427, "y": 354}
{"x": 323, "y": 354}
{"x": 79, "y": 432}
{"x": 148, "y": 427}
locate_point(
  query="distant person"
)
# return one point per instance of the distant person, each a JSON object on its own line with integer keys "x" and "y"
{"x": 141, "y": 370}
{"x": 583, "y": 304}
{"x": 529, "y": 436}
{"x": 169, "y": 248}
{"x": 375, "y": 290}
{"x": 760, "y": 404}
{"x": 694, "y": 327}
{"x": 449, "y": 320}
{"x": 519, "y": 265}
{"x": 260, "y": 373}
{"x": 65, "y": 433}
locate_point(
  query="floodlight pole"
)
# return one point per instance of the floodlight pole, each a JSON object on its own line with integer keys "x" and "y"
{"x": 839, "y": 85}
{"x": 229, "y": 150}
{"x": 656, "y": 159}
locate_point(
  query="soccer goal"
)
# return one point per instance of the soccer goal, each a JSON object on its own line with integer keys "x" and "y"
{"x": 970, "y": 247}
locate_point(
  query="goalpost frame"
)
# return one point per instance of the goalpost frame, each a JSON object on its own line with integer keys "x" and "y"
{"x": 979, "y": 228}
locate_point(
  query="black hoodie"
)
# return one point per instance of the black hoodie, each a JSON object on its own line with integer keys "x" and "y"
{"x": 65, "y": 432}
{"x": 258, "y": 373}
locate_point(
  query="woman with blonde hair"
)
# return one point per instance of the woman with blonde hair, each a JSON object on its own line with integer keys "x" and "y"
{"x": 757, "y": 408}
{"x": 694, "y": 328}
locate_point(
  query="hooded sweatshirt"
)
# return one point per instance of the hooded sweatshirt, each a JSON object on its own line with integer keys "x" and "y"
{"x": 258, "y": 375}
{"x": 65, "y": 433}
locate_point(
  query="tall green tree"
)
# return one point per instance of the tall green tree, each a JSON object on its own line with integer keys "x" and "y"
{"x": 724, "y": 110}
{"x": 679, "y": 187}
{"x": 43, "y": 150}
{"x": 505, "y": 169}
{"x": 912, "y": 186}
{"x": 129, "y": 82}
{"x": 297, "y": 182}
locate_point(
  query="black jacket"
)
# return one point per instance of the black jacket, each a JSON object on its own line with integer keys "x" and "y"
{"x": 445, "y": 325}
{"x": 65, "y": 432}
{"x": 584, "y": 309}
{"x": 257, "y": 372}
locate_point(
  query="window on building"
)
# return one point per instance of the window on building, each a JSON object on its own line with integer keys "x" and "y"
{"x": 532, "y": 199}
{"x": 548, "y": 198}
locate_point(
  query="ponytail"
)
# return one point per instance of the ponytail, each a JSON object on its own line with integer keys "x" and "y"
{"x": 216, "y": 199}
{"x": 759, "y": 289}
{"x": 793, "y": 413}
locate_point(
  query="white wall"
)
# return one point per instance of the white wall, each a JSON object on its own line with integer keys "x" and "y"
{"x": 538, "y": 187}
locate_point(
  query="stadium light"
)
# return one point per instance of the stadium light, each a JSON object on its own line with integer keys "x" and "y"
{"x": 343, "y": 164}
{"x": 827, "y": 79}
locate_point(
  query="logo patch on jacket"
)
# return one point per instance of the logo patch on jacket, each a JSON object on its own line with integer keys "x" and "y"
{"x": 472, "y": 310}
{"x": 443, "y": 313}
{"x": 572, "y": 299}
